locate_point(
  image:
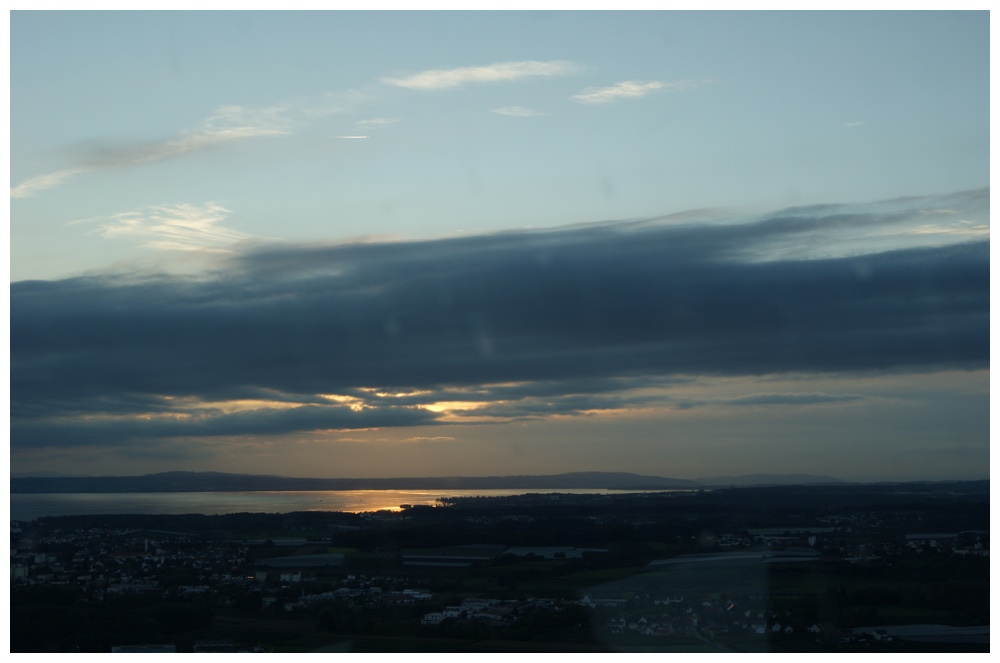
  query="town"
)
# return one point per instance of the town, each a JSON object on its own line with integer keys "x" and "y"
{"x": 730, "y": 570}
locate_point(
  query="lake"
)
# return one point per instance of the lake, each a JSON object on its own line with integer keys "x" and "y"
{"x": 29, "y": 506}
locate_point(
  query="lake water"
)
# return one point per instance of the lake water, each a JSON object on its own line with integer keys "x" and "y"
{"x": 29, "y": 506}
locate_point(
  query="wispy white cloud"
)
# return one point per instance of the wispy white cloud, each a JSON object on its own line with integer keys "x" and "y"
{"x": 351, "y": 137}
{"x": 230, "y": 123}
{"x": 276, "y": 118}
{"x": 42, "y": 182}
{"x": 623, "y": 90}
{"x": 436, "y": 79}
{"x": 963, "y": 227}
{"x": 213, "y": 136}
{"x": 182, "y": 227}
{"x": 227, "y": 124}
{"x": 189, "y": 142}
{"x": 517, "y": 111}
{"x": 633, "y": 90}
{"x": 376, "y": 122}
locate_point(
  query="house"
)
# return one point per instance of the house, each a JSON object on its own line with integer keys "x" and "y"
{"x": 433, "y": 618}
{"x": 143, "y": 649}
{"x": 491, "y": 614}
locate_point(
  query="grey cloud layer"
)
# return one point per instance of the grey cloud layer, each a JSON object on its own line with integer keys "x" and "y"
{"x": 580, "y": 314}
{"x": 37, "y": 433}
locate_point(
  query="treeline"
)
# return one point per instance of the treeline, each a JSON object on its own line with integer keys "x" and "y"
{"x": 954, "y": 495}
{"x": 193, "y": 523}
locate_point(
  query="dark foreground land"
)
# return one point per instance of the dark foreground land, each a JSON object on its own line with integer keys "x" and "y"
{"x": 875, "y": 568}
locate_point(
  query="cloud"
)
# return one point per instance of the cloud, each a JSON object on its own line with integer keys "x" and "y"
{"x": 632, "y": 90}
{"x": 42, "y": 182}
{"x": 273, "y": 118}
{"x": 438, "y": 79}
{"x": 514, "y": 325}
{"x": 125, "y": 430}
{"x": 373, "y": 122}
{"x": 962, "y": 227}
{"x": 227, "y": 124}
{"x": 145, "y": 153}
{"x": 792, "y": 399}
{"x": 176, "y": 227}
{"x": 516, "y": 111}
{"x": 191, "y": 142}
{"x": 230, "y": 123}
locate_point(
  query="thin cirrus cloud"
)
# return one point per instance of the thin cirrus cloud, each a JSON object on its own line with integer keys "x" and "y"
{"x": 187, "y": 143}
{"x": 372, "y": 122}
{"x": 517, "y": 111}
{"x": 633, "y": 90}
{"x": 491, "y": 328}
{"x": 231, "y": 123}
{"x": 42, "y": 182}
{"x": 228, "y": 124}
{"x": 438, "y": 79}
{"x": 182, "y": 227}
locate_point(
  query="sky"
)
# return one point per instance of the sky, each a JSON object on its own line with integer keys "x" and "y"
{"x": 352, "y": 244}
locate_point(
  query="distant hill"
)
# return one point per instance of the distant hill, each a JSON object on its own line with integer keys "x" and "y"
{"x": 768, "y": 480}
{"x": 185, "y": 482}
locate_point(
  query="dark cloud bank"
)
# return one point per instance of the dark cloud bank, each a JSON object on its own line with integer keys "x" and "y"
{"x": 575, "y": 315}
